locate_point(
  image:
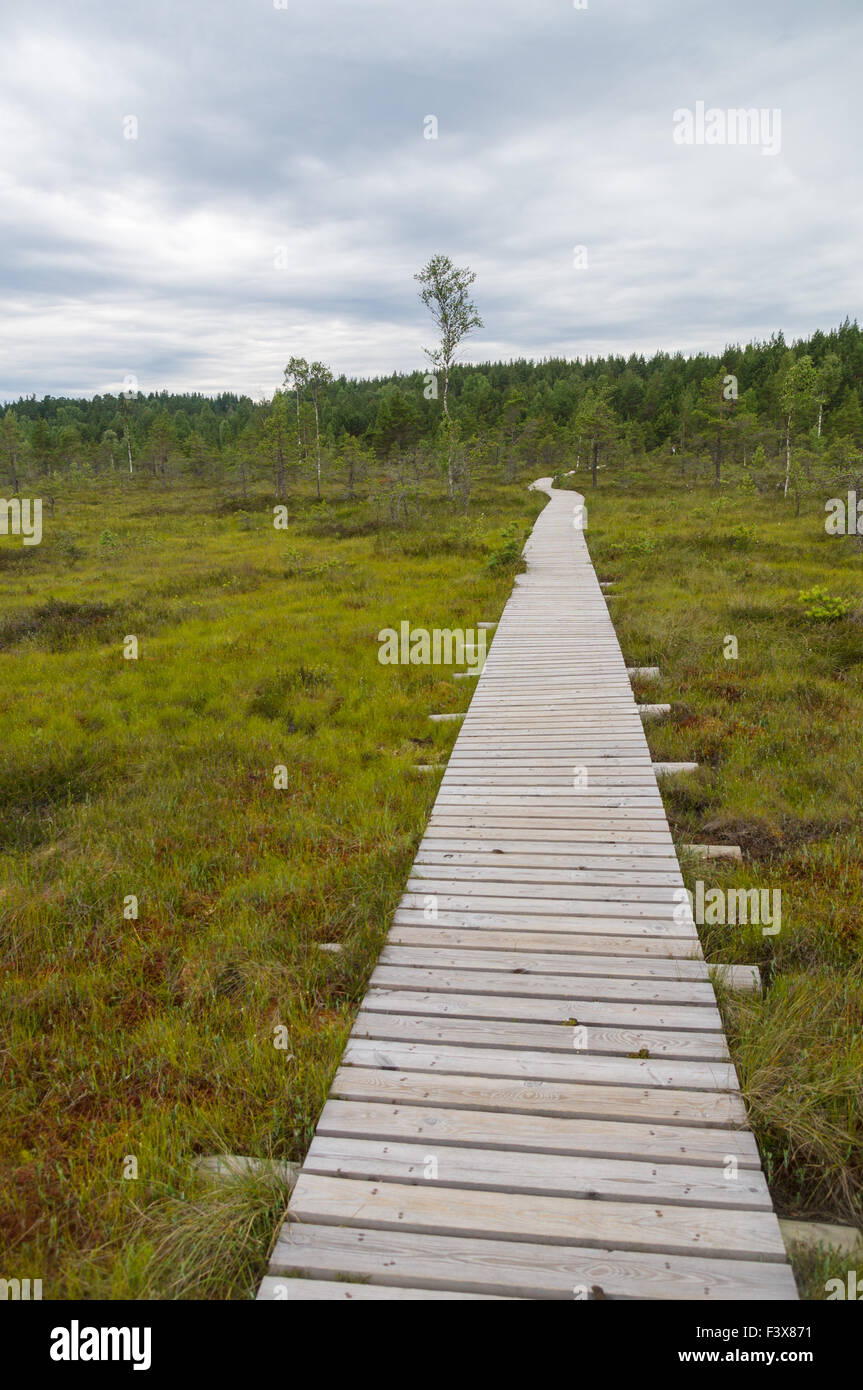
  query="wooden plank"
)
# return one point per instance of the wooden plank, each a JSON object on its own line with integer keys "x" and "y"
{"x": 669, "y": 1026}
{"x": 592, "y": 1100}
{"x": 526, "y": 962}
{"x": 407, "y": 974}
{"x": 503, "y": 870}
{"x": 541, "y": 815}
{"x": 580, "y": 863}
{"x": 522, "y": 1269}
{"x": 643, "y": 897}
{"x": 576, "y": 807}
{"x": 624, "y": 925}
{"x": 442, "y": 1026}
{"x": 667, "y": 1229}
{"x": 531, "y": 779}
{"x": 744, "y": 978}
{"x": 714, "y": 851}
{"x": 553, "y": 914}
{"x": 494, "y": 1170}
{"x": 573, "y": 847}
{"x": 650, "y": 957}
{"x": 427, "y": 1122}
{"x": 277, "y": 1289}
{"x": 580, "y": 1066}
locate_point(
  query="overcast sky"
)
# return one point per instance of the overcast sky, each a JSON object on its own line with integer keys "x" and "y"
{"x": 281, "y": 193}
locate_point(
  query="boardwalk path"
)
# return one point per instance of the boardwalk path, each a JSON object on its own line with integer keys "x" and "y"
{"x": 536, "y": 1100}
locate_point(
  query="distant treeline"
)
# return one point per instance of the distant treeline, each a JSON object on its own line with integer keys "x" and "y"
{"x": 776, "y": 409}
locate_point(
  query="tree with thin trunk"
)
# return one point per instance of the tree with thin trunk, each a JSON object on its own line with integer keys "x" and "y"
{"x": 514, "y": 408}
{"x": 829, "y": 381}
{"x": 444, "y": 292}
{"x": 297, "y": 380}
{"x": 319, "y": 378}
{"x": 713, "y": 416}
{"x": 127, "y": 427}
{"x": 797, "y": 394}
{"x": 597, "y": 423}
{"x": 160, "y": 438}
{"x": 356, "y": 462}
{"x": 275, "y": 443}
{"x": 110, "y": 443}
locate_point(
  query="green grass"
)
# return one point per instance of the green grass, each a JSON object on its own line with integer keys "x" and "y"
{"x": 153, "y": 1038}
{"x": 777, "y": 735}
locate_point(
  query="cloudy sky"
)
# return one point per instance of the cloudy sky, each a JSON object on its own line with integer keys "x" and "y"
{"x": 280, "y": 191}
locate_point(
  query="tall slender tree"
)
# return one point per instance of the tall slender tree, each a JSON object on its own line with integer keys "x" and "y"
{"x": 297, "y": 380}
{"x": 829, "y": 380}
{"x": 596, "y": 422}
{"x": 319, "y": 378}
{"x": 445, "y": 294}
{"x": 798, "y": 393}
{"x": 275, "y": 443}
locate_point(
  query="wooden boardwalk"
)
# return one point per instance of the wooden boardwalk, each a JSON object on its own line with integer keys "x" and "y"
{"x": 536, "y": 1100}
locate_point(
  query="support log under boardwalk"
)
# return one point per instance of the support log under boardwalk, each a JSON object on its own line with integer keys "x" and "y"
{"x": 536, "y": 1098}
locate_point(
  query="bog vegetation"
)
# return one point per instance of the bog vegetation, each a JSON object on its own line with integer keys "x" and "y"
{"x": 212, "y": 1021}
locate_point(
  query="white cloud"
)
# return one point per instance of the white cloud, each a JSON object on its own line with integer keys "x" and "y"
{"x": 280, "y": 194}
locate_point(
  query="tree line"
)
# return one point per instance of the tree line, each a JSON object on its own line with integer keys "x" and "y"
{"x": 783, "y": 413}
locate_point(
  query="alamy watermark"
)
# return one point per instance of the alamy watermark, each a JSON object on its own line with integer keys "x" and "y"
{"x": 22, "y": 517}
{"x": 20, "y": 1290}
{"x": 846, "y": 518}
{"x": 417, "y": 646}
{"x": 755, "y": 125}
{"x": 848, "y": 1288}
{"x": 759, "y": 907}
{"x": 77, "y": 1343}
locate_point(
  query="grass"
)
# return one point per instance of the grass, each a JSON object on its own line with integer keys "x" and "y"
{"x": 813, "y": 1268}
{"x": 133, "y": 1043}
{"x": 776, "y": 732}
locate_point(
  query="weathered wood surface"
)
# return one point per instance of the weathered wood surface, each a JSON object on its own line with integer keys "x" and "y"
{"x": 537, "y": 1100}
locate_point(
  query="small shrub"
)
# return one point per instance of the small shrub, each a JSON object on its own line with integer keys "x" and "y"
{"x": 67, "y": 548}
{"x": 508, "y": 553}
{"x": 822, "y": 607}
{"x": 269, "y": 698}
{"x": 641, "y": 545}
{"x": 741, "y": 537}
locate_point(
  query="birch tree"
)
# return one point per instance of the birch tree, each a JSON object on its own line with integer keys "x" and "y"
{"x": 319, "y": 378}
{"x": 445, "y": 294}
{"x": 297, "y": 381}
{"x": 797, "y": 395}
